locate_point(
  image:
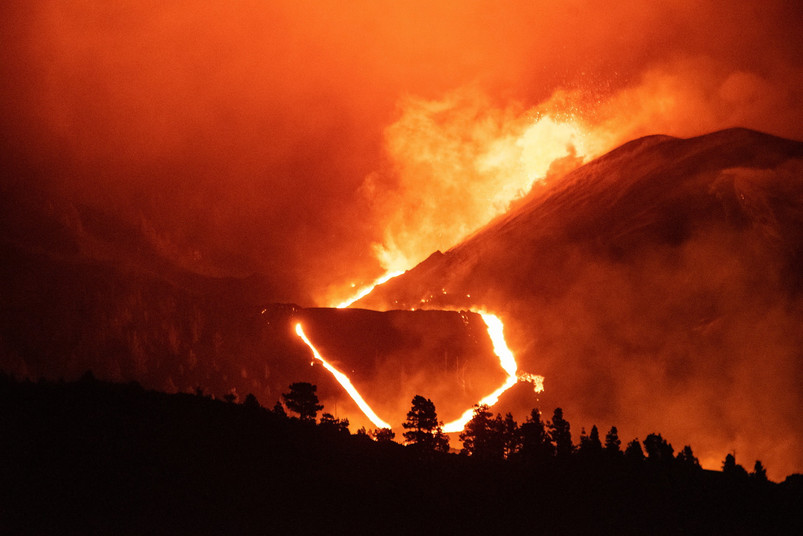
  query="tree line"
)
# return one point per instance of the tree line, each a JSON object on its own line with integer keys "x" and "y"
{"x": 95, "y": 457}
{"x": 490, "y": 437}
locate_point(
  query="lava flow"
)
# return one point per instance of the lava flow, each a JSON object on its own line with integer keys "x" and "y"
{"x": 506, "y": 359}
{"x": 344, "y": 381}
{"x": 368, "y": 288}
{"x": 508, "y": 362}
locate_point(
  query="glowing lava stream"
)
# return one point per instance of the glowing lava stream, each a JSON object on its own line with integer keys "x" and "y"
{"x": 368, "y": 288}
{"x": 344, "y": 381}
{"x": 506, "y": 359}
{"x": 508, "y": 362}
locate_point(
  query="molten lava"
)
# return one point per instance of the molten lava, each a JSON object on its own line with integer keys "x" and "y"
{"x": 506, "y": 359}
{"x": 508, "y": 362}
{"x": 496, "y": 332}
{"x": 344, "y": 381}
{"x": 364, "y": 291}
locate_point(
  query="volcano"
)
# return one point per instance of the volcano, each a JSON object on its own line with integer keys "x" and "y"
{"x": 657, "y": 287}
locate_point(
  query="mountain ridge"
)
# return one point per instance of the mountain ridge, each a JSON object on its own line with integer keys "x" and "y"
{"x": 736, "y": 139}
{"x": 667, "y": 270}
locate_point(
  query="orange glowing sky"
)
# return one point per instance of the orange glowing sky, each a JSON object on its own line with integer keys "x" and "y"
{"x": 245, "y": 136}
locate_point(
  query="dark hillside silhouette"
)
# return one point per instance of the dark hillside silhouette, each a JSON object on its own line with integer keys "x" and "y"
{"x": 95, "y": 457}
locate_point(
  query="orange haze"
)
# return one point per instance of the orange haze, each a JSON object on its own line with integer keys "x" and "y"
{"x": 244, "y": 136}
{"x": 321, "y": 144}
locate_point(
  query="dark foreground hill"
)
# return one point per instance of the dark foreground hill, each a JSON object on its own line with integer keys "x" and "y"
{"x": 98, "y": 458}
{"x": 661, "y": 283}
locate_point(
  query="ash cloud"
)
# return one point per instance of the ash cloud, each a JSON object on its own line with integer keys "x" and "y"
{"x": 248, "y": 134}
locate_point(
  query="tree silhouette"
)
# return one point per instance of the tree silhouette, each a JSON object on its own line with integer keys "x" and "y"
{"x": 590, "y": 445}
{"x": 658, "y": 449}
{"x": 383, "y": 435}
{"x": 278, "y": 410}
{"x": 331, "y": 423}
{"x": 440, "y": 441}
{"x": 422, "y": 419}
{"x": 251, "y": 402}
{"x": 561, "y": 435}
{"x": 612, "y": 442}
{"x": 759, "y": 473}
{"x": 729, "y": 463}
{"x": 686, "y": 458}
{"x": 731, "y": 468}
{"x": 423, "y": 428}
{"x": 303, "y": 400}
{"x": 535, "y": 443}
{"x": 483, "y": 435}
{"x": 511, "y": 434}
{"x": 634, "y": 452}
{"x": 593, "y": 438}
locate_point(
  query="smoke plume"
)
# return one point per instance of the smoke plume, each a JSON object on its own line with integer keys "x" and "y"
{"x": 286, "y": 138}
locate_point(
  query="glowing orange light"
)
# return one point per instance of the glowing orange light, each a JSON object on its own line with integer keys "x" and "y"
{"x": 497, "y": 334}
{"x": 506, "y": 359}
{"x": 344, "y": 381}
{"x": 502, "y": 152}
{"x": 364, "y": 291}
{"x": 508, "y": 362}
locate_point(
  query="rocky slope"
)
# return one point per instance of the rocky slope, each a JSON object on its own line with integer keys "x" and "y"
{"x": 656, "y": 286}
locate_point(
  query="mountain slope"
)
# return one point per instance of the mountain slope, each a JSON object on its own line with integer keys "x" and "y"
{"x": 658, "y": 285}
{"x": 80, "y": 290}
{"x": 656, "y": 288}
